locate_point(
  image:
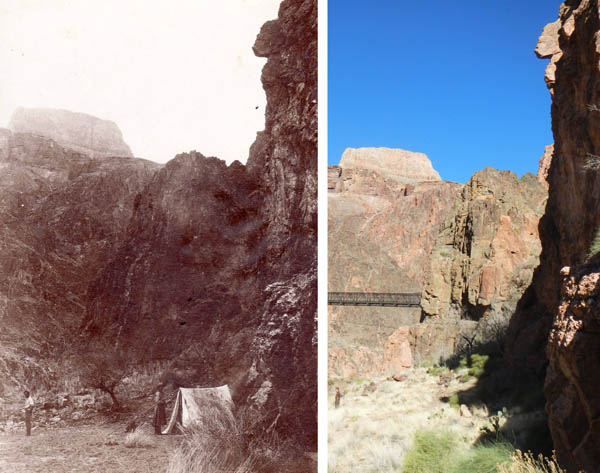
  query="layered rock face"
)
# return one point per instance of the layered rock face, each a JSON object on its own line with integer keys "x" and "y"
{"x": 566, "y": 230}
{"x": 78, "y": 131}
{"x": 63, "y": 215}
{"x": 486, "y": 252}
{"x": 381, "y": 229}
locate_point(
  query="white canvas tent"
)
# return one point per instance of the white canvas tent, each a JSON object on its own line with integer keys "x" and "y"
{"x": 192, "y": 403}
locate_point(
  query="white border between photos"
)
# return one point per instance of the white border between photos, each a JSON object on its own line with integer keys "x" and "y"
{"x": 322, "y": 236}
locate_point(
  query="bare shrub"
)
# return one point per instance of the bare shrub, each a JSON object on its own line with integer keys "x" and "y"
{"x": 592, "y": 162}
{"x": 593, "y": 108}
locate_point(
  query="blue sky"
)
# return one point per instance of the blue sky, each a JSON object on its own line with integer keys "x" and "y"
{"x": 456, "y": 80}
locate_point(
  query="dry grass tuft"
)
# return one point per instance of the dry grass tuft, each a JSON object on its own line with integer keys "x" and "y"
{"x": 528, "y": 463}
{"x": 139, "y": 439}
{"x": 218, "y": 443}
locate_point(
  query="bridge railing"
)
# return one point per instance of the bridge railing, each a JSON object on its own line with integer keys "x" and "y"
{"x": 374, "y": 299}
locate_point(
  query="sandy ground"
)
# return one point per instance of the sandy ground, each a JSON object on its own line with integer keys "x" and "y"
{"x": 82, "y": 449}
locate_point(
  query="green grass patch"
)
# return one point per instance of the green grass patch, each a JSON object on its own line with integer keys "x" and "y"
{"x": 437, "y": 370}
{"x": 430, "y": 452}
{"x": 438, "y": 452}
{"x": 483, "y": 459}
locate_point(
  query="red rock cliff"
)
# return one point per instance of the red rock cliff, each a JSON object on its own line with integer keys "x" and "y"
{"x": 573, "y": 45}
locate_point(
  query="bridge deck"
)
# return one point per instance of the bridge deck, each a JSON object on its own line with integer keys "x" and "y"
{"x": 374, "y": 299}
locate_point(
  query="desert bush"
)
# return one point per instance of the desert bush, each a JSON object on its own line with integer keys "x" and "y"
{"x": 138, "y": 439}
{"x": 430, "y": 453}
{"x": 475, "y": 364}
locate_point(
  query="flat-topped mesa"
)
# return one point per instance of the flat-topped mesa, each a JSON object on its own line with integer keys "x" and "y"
{"x": 78, "y": 131}
{"x": 393, "y": 163}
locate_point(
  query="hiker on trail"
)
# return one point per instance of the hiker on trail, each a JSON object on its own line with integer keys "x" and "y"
{"x": 338, "y": 396}
{"x": 28, "y": 408}
{"x": 160, "y": 416}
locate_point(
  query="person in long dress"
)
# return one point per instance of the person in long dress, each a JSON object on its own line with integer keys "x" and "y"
{"x": 160, "y": 415}
{"x": 28, "y": 408}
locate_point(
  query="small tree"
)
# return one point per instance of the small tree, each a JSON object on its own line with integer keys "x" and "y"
{"x": 102, "y": 366}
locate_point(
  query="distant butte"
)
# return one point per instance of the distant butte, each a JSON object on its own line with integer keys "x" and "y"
{"x": 398, "y": 164}
{"x": 78, "y": 131}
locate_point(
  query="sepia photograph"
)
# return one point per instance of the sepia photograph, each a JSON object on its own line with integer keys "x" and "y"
{"x": 463, "y": 236}
{"x": 158, "y": 236}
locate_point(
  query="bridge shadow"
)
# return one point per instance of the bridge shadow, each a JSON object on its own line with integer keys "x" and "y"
{"x": 513, "y": 398}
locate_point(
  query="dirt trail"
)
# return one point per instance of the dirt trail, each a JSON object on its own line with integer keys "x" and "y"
{"x": 82, "y": 449}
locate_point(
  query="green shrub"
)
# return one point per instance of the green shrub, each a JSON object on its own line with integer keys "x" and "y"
{"x": 430, "y": 452}
{"x": 437, "y": 370}
{"x": 595, "y": 246}
{"x": 454, "y": 401}
{"x": 475, "y": 363}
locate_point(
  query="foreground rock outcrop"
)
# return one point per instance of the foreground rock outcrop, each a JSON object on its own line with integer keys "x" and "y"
{"x": 567, "y": 229}
{"x": 78, "y": 131}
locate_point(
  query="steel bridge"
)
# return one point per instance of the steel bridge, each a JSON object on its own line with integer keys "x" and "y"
{"x": 374, "y": 299}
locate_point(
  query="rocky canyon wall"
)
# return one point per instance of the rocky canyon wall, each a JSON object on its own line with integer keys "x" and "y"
{"x": 381, "y": 227}
{"x": 62, "y": 215}
{"x": 469, "y": 250}
{"x": 486, "y": 252}
{"x": 571, "y": 352}
{"x": 208, "y": 265}
{"x": 225, "y": 256}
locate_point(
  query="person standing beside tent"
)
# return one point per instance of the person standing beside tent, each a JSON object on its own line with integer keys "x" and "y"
{"x": 28, "y": 408}
{"x": 160, "y": 416}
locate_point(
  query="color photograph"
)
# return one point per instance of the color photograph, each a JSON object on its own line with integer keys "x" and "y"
{"x": 463, "y": 236}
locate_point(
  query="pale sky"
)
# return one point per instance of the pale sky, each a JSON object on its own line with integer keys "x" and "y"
{"x": 175, "y": 76}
